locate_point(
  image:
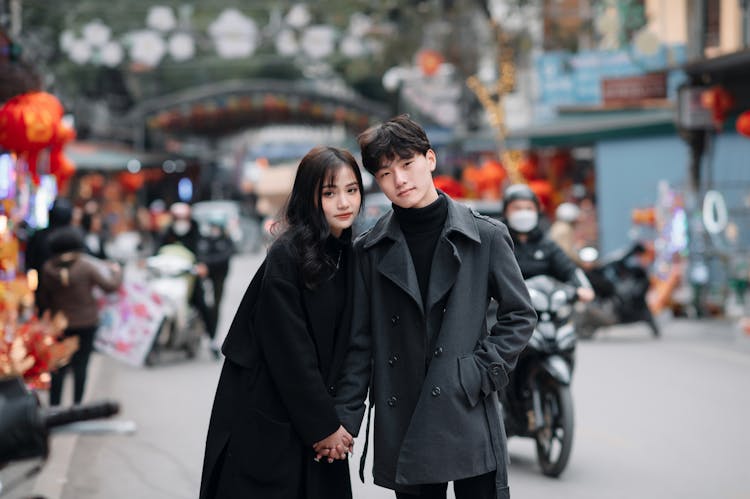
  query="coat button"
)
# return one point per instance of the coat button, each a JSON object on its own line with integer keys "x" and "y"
{"x": 438, "y": 351}
{"x": 445, "y": 309}
{"x": 391, "y": 362}
{"x": 436, "y": 391}
{"x": 392, "y": 402}
{"x": 495, "y": 370}
{"x": 332, "y": 390}
{"x": 394, "y": 319}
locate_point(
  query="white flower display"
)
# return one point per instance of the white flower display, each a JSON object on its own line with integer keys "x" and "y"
{"x": 80, "y": 51}
{"x": 286, "y": 43}
{"x": 234, "y": 34}
{"x": 161, "y": 18}
{"x": 318, "y": 41}
{"x": 66, "y": 40}
{"x": 352, "y": 46}
{"x": 96, "y": 33}
{"x": 181, "y": 46}
{"x": 111, "y": 54}
{"x": 147, "y": 47}
{"x": 298, "y": 16}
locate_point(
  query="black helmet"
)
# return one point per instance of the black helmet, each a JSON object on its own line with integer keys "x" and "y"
{"x": 519, "y": 191}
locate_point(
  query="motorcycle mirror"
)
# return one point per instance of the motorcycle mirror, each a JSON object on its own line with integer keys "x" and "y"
{"x": 588, "y": 254}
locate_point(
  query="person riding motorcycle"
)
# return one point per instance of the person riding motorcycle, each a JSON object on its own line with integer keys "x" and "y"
{"x": 535, "y": 252}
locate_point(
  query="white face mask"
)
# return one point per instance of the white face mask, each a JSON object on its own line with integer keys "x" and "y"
{"x": 523, "y": 221}
{"x": 181, "y": 227}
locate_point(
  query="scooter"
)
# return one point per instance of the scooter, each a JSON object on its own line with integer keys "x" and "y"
{"x": 537, "y": 402}
{"x": 621, "y": 283}
{"x": 171, "y": 274}
{"x": 25, "y": 429}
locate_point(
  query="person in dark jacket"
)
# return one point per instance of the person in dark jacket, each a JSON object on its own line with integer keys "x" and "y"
{"x": 67, "y": 285}
{"x": 537, "y": 254}
{"x": 424, "y": 275}
{"x": 184, "y": 230}
{"x": 285, "y": 347}
{"x": 37, "y": 249}
{"x": 215, "y": 250}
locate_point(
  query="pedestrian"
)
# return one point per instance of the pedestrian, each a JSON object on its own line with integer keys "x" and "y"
{"x": 285, "y": 347}
{"x": 37, "y": 249}
{"x": 184, "y": 230}
{"x": 563, "y": 230}
{"x": 215, "y": 250}
{"x": 425, "y": 273}
{"x": 536, "y": 253}
{"x": 67, "y": 285}
{"x": 93, "y": 239}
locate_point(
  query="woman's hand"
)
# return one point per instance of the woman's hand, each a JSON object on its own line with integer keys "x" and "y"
{"x": 335, "y": 446}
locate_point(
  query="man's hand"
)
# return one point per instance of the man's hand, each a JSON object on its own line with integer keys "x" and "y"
{"x": 335, "y": 446}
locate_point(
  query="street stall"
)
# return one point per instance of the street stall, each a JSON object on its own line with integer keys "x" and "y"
{"x": 32, "y": 169}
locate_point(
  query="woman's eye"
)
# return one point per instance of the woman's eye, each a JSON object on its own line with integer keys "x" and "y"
{"x": 328, "y": 194}
{"x": 353, "y": 190}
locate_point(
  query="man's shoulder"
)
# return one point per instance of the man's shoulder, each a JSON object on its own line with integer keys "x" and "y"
{"x": 487, "y": 224}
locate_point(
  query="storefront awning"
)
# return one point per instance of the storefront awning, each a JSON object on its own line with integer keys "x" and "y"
{"x": 104, "y": 157}
{"x": 588, "y": 128}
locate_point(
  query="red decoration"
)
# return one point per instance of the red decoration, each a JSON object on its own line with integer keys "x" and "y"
{"x": 543, "y": 191}
{"x": 32, "y": 122}
{"x": 743, "y": 124}
{"x": 450, "y": 186}
{"x": 131, "y": 181}
{"x": 717, "y": 100}
{"x": 429, "y": 61}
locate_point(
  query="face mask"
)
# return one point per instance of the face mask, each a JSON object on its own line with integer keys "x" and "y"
{"x": 181, "y": 227}
{"x": 523, "y": 221}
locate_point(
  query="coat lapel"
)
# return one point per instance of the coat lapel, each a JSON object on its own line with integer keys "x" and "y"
{"x": 397, "y": 266}
{"x": 447, "y": 262}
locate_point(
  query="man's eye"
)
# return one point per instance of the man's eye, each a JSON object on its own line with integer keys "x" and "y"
{"x": 383, "y": 174}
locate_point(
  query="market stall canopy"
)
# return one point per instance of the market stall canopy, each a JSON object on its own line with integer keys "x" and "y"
{"x": 224, "y": 107}
{"x": 104, "y": 156}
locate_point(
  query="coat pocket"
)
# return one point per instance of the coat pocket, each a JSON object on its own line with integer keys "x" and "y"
{"x": 264, "y": 449}
{"x": 470, "y": 379}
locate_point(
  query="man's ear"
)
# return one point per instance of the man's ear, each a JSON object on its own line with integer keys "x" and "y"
{"x": 431, "y": 159}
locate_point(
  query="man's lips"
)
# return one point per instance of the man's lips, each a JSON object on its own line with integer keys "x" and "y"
{"x": 405, "y": 192}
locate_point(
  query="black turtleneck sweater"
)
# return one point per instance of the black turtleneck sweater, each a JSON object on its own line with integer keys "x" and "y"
{"x": 338, "y": 255}
{"x": 422, "y": 228}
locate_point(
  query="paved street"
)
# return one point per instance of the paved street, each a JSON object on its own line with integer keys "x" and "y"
{"x": 655, "y": 419}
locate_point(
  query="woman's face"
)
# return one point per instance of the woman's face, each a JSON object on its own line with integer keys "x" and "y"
{"x": 341, "y": 199}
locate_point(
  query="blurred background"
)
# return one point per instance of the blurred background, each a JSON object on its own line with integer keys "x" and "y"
{"x": 637, "y": 112}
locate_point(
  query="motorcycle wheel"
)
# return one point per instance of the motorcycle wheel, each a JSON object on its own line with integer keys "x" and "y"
{"x": 555, "y": 440}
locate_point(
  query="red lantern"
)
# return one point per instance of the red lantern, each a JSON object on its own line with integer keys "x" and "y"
{"x": 717, "y": 100}
{"x": 131, "y": 181}
{"x": 743, "y": 124}
{"x": 30, "y": 123}
{"x": 543, "y": 191}
{"x": 429, "y": 61}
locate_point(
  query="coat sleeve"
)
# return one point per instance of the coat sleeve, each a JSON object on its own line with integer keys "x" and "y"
{"x": 563, "y": 267}
{"x": 106, "y": 278}
{"x": 290, "y": 355}
{"x": 487, "y": 369}
{"x": 357, "y": 368}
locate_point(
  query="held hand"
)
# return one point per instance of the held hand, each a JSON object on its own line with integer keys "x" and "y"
{"x": 585, "y": 294}
{"x": 335, "y": 446}
{"x": 201, "y": 269}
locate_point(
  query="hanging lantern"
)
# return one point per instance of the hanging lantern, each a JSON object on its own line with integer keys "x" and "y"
{"x": 743, "y": 124}
{"x": 131, "y": 182}
{"x": 719, "y": 101}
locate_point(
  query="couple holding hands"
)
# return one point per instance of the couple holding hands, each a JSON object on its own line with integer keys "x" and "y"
{"x": 400, "y": 313}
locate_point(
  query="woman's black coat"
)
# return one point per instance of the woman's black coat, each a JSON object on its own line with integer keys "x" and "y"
{"x": 275, "y": 394}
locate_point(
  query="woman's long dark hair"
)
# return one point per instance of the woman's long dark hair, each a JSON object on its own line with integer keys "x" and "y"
{"x": 303, "y": 220}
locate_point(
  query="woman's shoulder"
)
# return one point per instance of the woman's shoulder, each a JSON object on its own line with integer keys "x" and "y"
{"x": 282, "y": 259}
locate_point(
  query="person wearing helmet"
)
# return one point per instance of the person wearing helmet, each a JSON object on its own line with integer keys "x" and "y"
{"x": 562, "y": 230}
{"x": 537, "y": 254}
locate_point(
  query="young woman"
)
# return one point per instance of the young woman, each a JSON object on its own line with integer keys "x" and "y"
{"x": 285, "y": 347}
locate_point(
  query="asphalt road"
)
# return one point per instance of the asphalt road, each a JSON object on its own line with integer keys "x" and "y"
{"x": 660, "y": 419}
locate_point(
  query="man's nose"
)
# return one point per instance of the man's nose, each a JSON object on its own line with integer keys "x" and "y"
{"x": 399, "y": 176}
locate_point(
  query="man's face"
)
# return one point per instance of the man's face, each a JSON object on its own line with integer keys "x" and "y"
{"x": 407, "y": 182}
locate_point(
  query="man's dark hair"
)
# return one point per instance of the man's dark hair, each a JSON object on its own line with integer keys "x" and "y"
{"x": 398, "y": 137}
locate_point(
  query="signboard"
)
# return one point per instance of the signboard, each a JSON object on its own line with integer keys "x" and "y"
{"x": 634, "y": 89}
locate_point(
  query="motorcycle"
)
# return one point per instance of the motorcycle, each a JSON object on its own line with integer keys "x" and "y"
{"x": 25, "y": 429}
{"x": 171, "y": 274}
{"x": 621, "y": 283}
{"x": 537, "y": 402}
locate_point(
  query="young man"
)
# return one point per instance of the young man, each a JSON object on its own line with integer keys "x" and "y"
{"x": 425, "y": 273}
